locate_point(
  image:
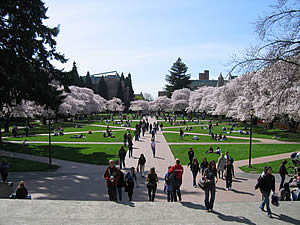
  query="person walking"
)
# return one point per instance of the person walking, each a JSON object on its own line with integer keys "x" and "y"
{"x": 168, "y": 186}
{"x": 282, "y": 172}
{"x": 141, "y": 164}
{"x": 227, "y": 157}
{"x": 191, "y": 156}
{"x": 120, "y": 184}
{"x": 122, "y": 155}
{"x": 203, "y": 165}
{"x": 4, "y": 169}
{"x": 228, "y": 174}
{"x": 150, "y": 128}
{"x": 176, "y": 179}
{"x": 266, "y": 184}
{"x": 181, "y": 134}
{"x": 130, "y": 148}
{"x": 130, "y": 180}
{"x": 112, "y": 175}
{"x": 125, "y": 138}
{"x": 221, "y": 165}
{"x": 211, "y": 177}
{"x": 153, "y": 134}
{"x": 153, "y": 145}
{"x": 152, "y": 180}
{"x": 195, "y": 168}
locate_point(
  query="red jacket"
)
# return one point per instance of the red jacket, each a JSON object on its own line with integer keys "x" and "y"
{"x": 112, "y": 172}
{"x": 179, "y": 171}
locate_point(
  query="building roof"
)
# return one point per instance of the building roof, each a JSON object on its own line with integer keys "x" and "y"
{"x": 110, "y": 74}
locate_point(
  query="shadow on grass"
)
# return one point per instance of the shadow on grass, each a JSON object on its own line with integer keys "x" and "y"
{"x": 69, "y": 153}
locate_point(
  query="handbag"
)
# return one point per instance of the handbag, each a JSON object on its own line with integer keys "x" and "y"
{"x": 274, "y": 200}
{"x": 137, "y": 169}
{"x": 203, "y": 184}
{"x": 150, "y": 185}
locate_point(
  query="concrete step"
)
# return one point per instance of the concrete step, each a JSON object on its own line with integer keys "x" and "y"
{"x": 101, "y": 212}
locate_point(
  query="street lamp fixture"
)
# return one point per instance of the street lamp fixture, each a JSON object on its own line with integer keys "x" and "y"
{"x": 49, "y": 146}
{"x": 251, "y": 113}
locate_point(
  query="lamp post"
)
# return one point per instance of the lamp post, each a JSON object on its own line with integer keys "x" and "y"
{"x": 251, "y": 113}
{"x": 49, "y": 146}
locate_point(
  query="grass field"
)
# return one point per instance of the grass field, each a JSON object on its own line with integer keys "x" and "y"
{"x": 258, "y": 168}
{"x": 94, "y": 137}
{"x": 22, "y": 165}
{"x": 171, "y": 137}
{"x": 92, "y": 154}
{"x": 258, "y": 132}
{"x": 238, "y": 152}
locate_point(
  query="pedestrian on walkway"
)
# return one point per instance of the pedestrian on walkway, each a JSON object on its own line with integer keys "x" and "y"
{"x": 150, "y": 128}
{"x": 210, "y": 174}
{"x": 4, "y": 169}
{"x": 176, "y": 179}
{"x": 195, "y": 168}
{"x": 122, "y": 155}
{"x": 203, "y": 165}
{"x": 130, "y": 148}
{"x": 282, "y": 172}
{"x": 168, "y": 186}
{"x": 125, "y": 138}
{"x": 141, "y": 164}
{"x": 153, "y": 134}
{"x": 152, "y": 180}
{"x": 136, "y": 135}
{"x": 227, "y": 157}
{"x": 221, "y": 165}
{"x": 112, "y": 175}
{"x": 228, "y": 174}
{"x": 161, "y": 126}
{"x": 130, "y": 179}
{"x": 121, "y": 181}
{"x": 191, "y": 156}
{"x": 153, "y": 145}
{"x": 266, "y": 184}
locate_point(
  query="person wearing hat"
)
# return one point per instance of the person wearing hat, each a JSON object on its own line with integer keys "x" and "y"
{"x": 111, "y": 176}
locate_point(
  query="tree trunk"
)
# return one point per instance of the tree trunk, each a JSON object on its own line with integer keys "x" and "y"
{"x": 6, "y": 125}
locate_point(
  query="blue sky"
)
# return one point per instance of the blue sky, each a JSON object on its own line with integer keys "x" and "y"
{"x": 146, "y": 37}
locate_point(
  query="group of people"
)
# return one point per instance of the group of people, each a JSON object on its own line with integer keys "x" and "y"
{"x": 59, "y": 131}
{"x": 217, "y": 137}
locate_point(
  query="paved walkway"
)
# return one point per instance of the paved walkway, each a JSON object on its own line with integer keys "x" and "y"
{"x": 94, "y": 212}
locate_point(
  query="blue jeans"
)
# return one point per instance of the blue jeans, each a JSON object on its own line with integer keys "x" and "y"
{"x": 209, "y": 203}
{"x": 266, "y": 201}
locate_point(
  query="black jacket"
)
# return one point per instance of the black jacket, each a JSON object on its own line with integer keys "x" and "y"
{"x": 266, "y": 183}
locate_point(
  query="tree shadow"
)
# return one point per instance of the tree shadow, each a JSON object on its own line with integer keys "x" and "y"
{"x": 240, "y": 219}
{"x": 239, "y": 178}
{"x": 286, "y": 218}
{"x": 159, "y": 158}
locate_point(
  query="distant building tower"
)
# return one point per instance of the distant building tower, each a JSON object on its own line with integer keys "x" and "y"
{"x": 221, "y": 81}
{"x": 204, "y": 76}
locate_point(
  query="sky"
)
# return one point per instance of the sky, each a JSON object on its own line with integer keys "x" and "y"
{"x": 145, "y": 37}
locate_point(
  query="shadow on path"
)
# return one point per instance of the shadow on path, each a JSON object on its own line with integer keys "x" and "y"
{"x": 242, "y": 192}
{"x": 286, "y": 219}
{"x": 238, "y": 219}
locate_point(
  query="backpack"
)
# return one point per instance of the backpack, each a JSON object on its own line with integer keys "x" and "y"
{"x": 167, "y": 179}
{"x": 172, "y": 177}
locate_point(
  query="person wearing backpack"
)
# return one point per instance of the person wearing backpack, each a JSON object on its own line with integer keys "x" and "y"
{"x": 176, "y": 173}
{"x": 266, "y": 184}
{"x": 141, "y": 164}
{"x": 228, "y": 157}
{"x": 168, "y": 186}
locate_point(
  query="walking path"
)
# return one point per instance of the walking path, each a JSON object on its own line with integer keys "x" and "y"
{"x": 77, "y": 181}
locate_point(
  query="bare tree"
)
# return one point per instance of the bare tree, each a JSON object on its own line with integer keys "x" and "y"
{"x": 148, "y": 97}
{"x": 279, "y": 38}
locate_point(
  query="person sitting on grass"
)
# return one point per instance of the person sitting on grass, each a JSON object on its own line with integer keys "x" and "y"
{"x": 78, "y": 136}
{"x": 224, "y": 138}
{"x": 90, "y": 132}
{"x": 210, "y": 150}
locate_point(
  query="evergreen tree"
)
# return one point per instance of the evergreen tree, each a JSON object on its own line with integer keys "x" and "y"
{"x": 177, "y": 78}
{"x": 131, "y": 91}
{"x": 121, "y": 90}
{"x": 76, "y": 79}
{"x": 101, "y": 88}
{"x": 88, "y": 81}
{"x": 27, "y": 46}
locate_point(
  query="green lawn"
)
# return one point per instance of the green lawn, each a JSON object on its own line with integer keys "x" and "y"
{"x": 258, "y": 168}
{"x": 172, "y": 137}
{"x": 92, "y": 154}
{"x": 258, "y": 132}
{"x": 94, "y": 137}
{"x": 23, "y": 165}
{"x": 237, "y": 151}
